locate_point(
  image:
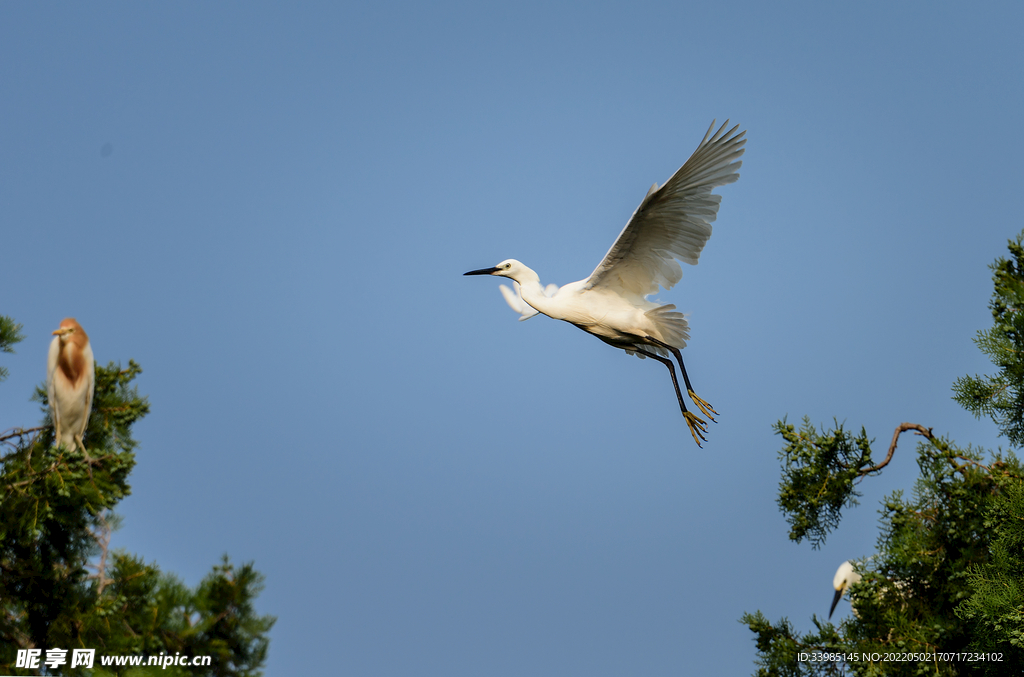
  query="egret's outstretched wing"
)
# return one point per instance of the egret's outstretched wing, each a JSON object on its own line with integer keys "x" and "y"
{"x": 673, "y": 221}
{"x": 515, "y": 301}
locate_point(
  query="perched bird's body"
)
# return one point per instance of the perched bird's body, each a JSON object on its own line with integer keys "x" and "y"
{"x": 890, "y": 591}
{"x": 672, "y": 222}
{"x": 70, "y": 383}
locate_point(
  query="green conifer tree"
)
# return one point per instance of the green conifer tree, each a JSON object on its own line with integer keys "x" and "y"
{"x": 61, "y": 586}
{"x": 946, "y": 585}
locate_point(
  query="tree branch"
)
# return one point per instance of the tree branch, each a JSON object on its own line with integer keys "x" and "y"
{"x": 102, "y": 538}
{"x": 902, "y": 428}
{"x": 20, "y": 432}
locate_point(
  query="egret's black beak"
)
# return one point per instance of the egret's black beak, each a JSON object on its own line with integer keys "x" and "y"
{"x": 483, "y": 271}
{"x": 835, "y": 600}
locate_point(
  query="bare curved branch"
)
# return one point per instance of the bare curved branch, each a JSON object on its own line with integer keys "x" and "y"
{"x": 901, "y": 428}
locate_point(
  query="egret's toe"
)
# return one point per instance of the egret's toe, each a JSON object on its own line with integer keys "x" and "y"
{"x": 697, "y": 427}
{"x": 708, "y": 410}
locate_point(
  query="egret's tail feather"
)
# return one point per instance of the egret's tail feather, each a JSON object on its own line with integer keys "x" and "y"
{"x": 672, "y": 328}
{"x": 671, "y": 324}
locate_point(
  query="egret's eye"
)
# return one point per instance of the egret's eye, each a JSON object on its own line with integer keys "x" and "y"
{"x": 508, "y": 265}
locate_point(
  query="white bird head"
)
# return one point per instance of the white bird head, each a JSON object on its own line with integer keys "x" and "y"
{"x": 844, "y": 578}
{"x": 511, "y": 269}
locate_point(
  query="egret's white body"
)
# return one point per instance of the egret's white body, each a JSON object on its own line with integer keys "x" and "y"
{"x": 672, "y": 222}
{"x": 845, "y": 577}
{"x": 70, "y": 378}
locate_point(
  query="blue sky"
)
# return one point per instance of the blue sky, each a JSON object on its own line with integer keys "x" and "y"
{"x": 278, "y": 235}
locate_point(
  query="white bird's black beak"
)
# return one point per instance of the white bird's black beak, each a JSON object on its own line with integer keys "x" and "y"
{"x": 483, "y": 271}
{"x": 835, "y": 600}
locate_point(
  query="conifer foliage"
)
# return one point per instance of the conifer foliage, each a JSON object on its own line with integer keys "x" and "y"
{"x": 61, "y": 585}
{"x": 1001, "y": 397}
{"x": 10, "y": 333}
{"x": 944, "y": 593}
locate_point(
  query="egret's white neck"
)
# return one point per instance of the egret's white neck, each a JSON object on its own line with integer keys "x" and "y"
{"x": 523, "y": 274}
{"x": 527, "y": 278}
{"x": 532, "y": 290}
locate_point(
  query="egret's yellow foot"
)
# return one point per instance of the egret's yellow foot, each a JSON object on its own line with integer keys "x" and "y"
{"x": 708, "y": 410}
{"x": 697, "y": 427}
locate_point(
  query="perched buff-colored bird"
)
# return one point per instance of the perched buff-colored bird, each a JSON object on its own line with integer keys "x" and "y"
{"x": 70, "y": 379}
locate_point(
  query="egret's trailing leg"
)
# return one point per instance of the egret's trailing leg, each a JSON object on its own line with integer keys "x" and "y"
{"x": 703, "y": 405}
{"x": 696, "y": 425}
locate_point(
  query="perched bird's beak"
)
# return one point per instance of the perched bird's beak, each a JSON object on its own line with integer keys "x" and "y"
{"x": 835, "y": 600}
{"x": 483, "y": 271}
{"x": 62, "y": 332}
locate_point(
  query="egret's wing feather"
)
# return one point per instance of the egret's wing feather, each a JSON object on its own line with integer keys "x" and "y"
{"x": 515, "y": 301}
{"x": 673, "y": 221}
{"x": 90, "y": 385}
{"x": 512, "y": 298}
{"x": 51, "y": 374}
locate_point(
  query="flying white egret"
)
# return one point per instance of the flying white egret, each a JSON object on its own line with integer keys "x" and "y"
{"x": 672, "y": 222}
{"x": 844, "y": 578}
{"x": 70, "y": 379}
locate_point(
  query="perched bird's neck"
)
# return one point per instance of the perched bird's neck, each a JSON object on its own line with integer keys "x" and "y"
{"x": 71, "y": 361}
